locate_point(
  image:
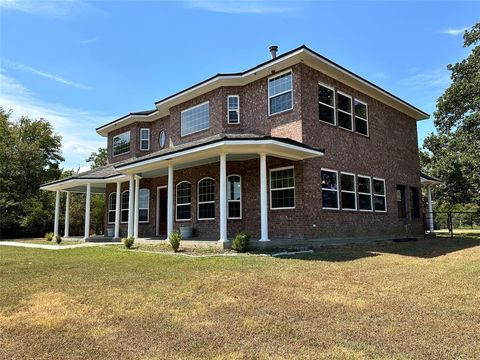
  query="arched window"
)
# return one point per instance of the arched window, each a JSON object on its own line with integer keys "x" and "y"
{"x": 143, "y": 205}
{"x": 234, "y": 196}
{"x": 184, "y": 201}
{"x": 112, "y": 206}
{"x": 124, "y": 206}
{"x": 206, "y": 199}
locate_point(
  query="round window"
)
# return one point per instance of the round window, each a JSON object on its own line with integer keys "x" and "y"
{"x": 162, "y": 140}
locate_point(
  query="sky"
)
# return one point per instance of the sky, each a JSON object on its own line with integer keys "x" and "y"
{"x": 81, "y": 64}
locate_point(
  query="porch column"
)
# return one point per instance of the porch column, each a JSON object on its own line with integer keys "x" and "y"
{"x": 263, "y": 198}
{"x": 170, "y": 201}
{"x": 430, "y": 211}
{"x": 223, "y": 198}
{"x": 117, "y": 211}
{"x": 87, "y": 212}
{"x": 130, "y": 205}
{"x": 135, "y": 220}
{"x": 57, "y": 212}
{"x": 67, "y": 215}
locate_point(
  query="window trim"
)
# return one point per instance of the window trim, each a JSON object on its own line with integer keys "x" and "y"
{"x": 337, "y": 191}
{"x": 384, "y": 195}
{"x": 334, "y": 104}
{"x": 239, "y": 201}
{"x": 124, "y": 209}
{"x": 268, "y": 89}
{"x": 294, "y": 192}
{"x": 343, "y": 111}
{"x": 204, "y": 202}
{"x": 366, "y": 120}
{"x": 147, "y": 208}
{"x": 362, "y": 193}
{"x": 163, "y": 131}
{"x": 114, "y": 207}
{"x": 190, "y": 108}
{"x": 148, "y": 139}
{"x": 129, "y": 143}
{"x": 237, "y": 110}
{"x": 183, "y": 204}
{"x": 348, "y": 191}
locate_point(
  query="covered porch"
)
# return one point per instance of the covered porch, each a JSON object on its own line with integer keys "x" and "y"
{"x": 428, "y": 182}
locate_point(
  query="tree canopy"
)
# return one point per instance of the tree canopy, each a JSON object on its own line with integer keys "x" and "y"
{"x": 98, "y": 158}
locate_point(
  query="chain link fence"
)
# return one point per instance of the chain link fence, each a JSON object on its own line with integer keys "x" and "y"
{"x": 450, "y": 222}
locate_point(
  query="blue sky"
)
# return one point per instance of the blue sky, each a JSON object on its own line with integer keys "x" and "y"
{"x": 81, "y": 64}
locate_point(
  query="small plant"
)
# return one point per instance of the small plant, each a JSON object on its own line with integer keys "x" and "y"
{"x": 128, "y": 242}
{"x": 241, "y": 241}
{"x": 58, "y": 239}
{"x": 175, "y": 237}
{"x": 49, "y": 236}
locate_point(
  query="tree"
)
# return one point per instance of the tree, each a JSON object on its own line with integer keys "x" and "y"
{"x": 453, "y": 154}
{"x": 98, "y": 158}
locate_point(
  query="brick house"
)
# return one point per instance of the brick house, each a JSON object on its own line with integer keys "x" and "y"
{"x": 297, "y": 150}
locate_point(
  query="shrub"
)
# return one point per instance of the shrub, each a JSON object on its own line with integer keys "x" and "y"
{"x": 241, "y": 241}
{"x": 175, "y": 237}
{"x": 58, "y": 239}
{"x": 49, "y": 236}
{"x": 128, "y": 242}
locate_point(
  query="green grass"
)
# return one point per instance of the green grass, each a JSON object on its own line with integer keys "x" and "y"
{"x": 392, "y": 300}
{"x": 42, "y": 241}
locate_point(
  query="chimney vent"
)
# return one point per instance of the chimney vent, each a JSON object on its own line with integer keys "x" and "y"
{"x": 273, "y": 51}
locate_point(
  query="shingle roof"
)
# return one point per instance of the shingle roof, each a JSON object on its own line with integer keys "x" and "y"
{"x": 102, "y": 172}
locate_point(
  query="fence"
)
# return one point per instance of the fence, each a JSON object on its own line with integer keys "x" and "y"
{"x": 448, "y": 222}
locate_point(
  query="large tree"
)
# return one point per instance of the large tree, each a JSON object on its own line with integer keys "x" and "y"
{"x": 98, "y": 158}
{"x": 453, "y": 154}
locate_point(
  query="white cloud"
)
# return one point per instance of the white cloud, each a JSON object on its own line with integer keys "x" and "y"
{"x": 88, "y": 41}
{"x": 454, "y": 32}
{"x": 438, "y": 78}
{"x": 43, "y": 7}
{"x": 239, "y": 6}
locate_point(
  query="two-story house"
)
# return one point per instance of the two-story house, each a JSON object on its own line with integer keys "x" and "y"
{"x": 297, "y": 150}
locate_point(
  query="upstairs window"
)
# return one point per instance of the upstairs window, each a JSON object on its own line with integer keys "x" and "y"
{"x": 379, "y": 197}
{"x": 414, "y": 203}
{"x": 184, "y": 201}
{"x": 143, "y": 205}
{"x": 361, "y": 117}
{"x": 121, "y": 144}
{"x": 344, "y": 111}
{"x": 349, "y": 194}
{"x": 282, "y": 188}
{"x": 195, "y": 119}
{"x": 162, "y": 139}
{"x": 233, "y": 104}
{"x": 326, "y": 104}
{"x": 329, "y": 179}
{"x": 234, "y": 196}
{"x": 206, "y": 199}
{"x": 280, "y": 93}
{"x": 364, "y": 193}
{"x": 145, "y": 139}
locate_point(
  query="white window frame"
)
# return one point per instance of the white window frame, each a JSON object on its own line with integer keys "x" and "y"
{"x": 124, "y": 209}
{"x": 355, "y": 116}
{"x": 337, "y": 190}
{"x": 348, "y": 191}
{"x": 148, "y": 139}
{"x": 183, "y": 204}
{"x": 330, "y": 106}
{"x": 129, "y": 142}
{"x": 114, "y": 210}
{"x": 204, "y": 202}
{"x": 286, "y": 188}
{"x": 237, "y": 109}
{"x": 270, "y": 96}
{"x": 147, "y": 208}
{"x": 384, "y": 195}
{"x": 239, "y": 201}
{"x": 343, "y": 111}
{"x": 363, "y": 193}
{"x": 163, "y": 131}
{"x": 191, "y": 108}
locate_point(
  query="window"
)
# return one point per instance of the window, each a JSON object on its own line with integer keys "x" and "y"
{"x": 329, "y": 180}
{"x": 184, "y": 201}
{"x": 121, "y": 144}
{"x": 280, "y": 93}
{"x": 233, "y": 103}
{"x": 344, "y": 111}
{"x": 162, "y": 139}
{"x": 326, "y": 104}
{"x": 144, "y": 139}
{"x": 143, "y": 205}
{"x": 414, "y": 203}
{"x": 234, "y": 196}
{"x": 112, "y": 206}
{"x": 361, "y": 117}
{"x": 364, "y": 193}
{"x": 401, "y": 202}
{"x": 124, "y": 206}
{"x": 206, "y": 199}
{"x": 195, "y": 119}
{"x": 282, "y": 188}
{"x": 379, "y": 197}
{"x": 349, "y": 195}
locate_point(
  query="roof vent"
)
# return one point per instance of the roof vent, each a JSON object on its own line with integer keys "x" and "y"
{"x": 273, "y": 51}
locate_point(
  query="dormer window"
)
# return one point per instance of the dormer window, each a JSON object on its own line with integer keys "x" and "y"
{"x": 280, "y": 93}
{"x": 233, "y": 103}
{"x": 145, "y": 139}
{"x": 121, "y": 144}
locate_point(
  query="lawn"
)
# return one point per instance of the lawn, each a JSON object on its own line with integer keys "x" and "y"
{"x": 392, "y": 300}
{"x": 42, "y": 241}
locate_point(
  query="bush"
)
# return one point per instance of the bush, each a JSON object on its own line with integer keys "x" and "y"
{"x": 49, "y": 236}
{"x": 175, "y": 237}
{"x": 128, "y": 242}
{"x": 58, "y": 239}
{"x": 241, "y": 241}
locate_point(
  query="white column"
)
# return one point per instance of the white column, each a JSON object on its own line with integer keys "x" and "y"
{"x": 57, "y": 212}
{"x": 263, "y": 198}
{"x": 131, "y": 189}
{"x": 67, "y": 215}
{"x": 430, "y": 211}
{"x": 87, "y": 212}
{"x": 170, "y": 201}
{"x": 135, "y": 220}
{"x": 223, "y": 198}
{"x": 117, "y": 211}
